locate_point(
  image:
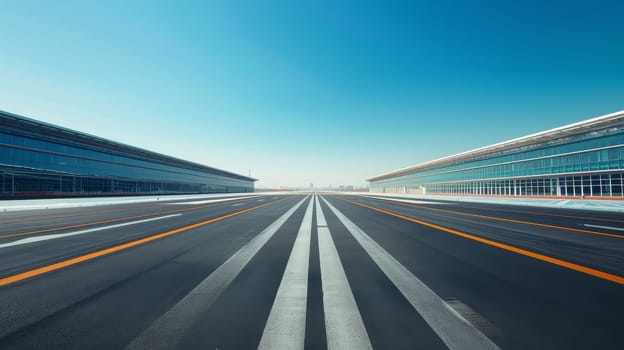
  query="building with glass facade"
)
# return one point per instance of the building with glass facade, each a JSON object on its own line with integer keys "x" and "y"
{"x": 581, "y": 160}
{"x": 42, "y": 160}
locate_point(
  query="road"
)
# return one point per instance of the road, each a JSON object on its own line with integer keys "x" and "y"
{"x": 311, "y": 271}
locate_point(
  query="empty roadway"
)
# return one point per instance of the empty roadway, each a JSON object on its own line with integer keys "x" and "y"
{"x": 311, "y": 271}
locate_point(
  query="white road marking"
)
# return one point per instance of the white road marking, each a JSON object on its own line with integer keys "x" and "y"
{"x": 75, "y": 233}
{"x": 169, "y": 329}
{"x": 210, "y": 201}
{"x": 455, "y": 331}
{"x": 403, "y": 200}
{"x": 285, "y": 327}
{"x": 343, "y": 323}
{"x": 260, "y": 200}
{"x": 237, "y": 204}
{"x": 320, "y": 217}
{"x": 605, "y": 227}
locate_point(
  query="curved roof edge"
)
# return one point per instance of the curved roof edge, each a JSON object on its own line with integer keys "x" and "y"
{"x": 584, "y": 126}
{"x": 119, "y": 147}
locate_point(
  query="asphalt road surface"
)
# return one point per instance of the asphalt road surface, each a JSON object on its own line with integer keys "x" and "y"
{"x": 313, "y": 271}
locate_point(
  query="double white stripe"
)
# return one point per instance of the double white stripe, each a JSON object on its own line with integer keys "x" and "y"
{"x": 285, "y": 327}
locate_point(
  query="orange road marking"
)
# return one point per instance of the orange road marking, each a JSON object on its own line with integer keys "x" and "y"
{"x": 62, "y": 264}
{"x": 109, "y": 220}
{"x": 546, "y": 214}
{"x": 580, "y": 268}
{"x": 158, "y": 204}
{"x": 510, "y": 220}
{"x": 45, "y": 217}
{"x": 463, "y": 205}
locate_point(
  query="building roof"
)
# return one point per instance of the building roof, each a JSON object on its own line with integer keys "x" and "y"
{"x": 595, "y": 124}
{"x": 58, "y": 134}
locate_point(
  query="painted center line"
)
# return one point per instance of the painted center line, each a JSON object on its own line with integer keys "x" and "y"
{"x": 75, "y": 233}
{"x": 605, "y": 227}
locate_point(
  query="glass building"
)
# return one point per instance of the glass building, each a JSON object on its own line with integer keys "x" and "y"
{"x": 581, "y": 160}
{"x": 42, "y": 160}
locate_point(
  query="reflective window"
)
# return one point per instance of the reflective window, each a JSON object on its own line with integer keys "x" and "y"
{"x": 32, "y": 166}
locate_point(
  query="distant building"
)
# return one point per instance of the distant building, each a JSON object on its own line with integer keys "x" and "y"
{"x": 584, "y": 159}
{"x": 43, "y": 160}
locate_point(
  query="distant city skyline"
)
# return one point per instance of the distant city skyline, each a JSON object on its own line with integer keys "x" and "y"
{"x": 311, "y": 92}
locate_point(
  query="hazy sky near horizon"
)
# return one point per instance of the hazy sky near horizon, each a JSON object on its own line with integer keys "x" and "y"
{"x": 302, "y": 92}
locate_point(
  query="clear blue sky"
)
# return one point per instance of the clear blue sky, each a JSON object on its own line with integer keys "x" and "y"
{"x": 311, "y": 91}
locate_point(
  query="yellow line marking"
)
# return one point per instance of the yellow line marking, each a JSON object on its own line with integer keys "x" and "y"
{"x": 580, "y": 268}
{"x": 510, "y": 220}
{"x": 108, "y": 221}
{"x": 462, "y": 205}
{"x": 546, "y": 214}
{"x": 62, "y": 264}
